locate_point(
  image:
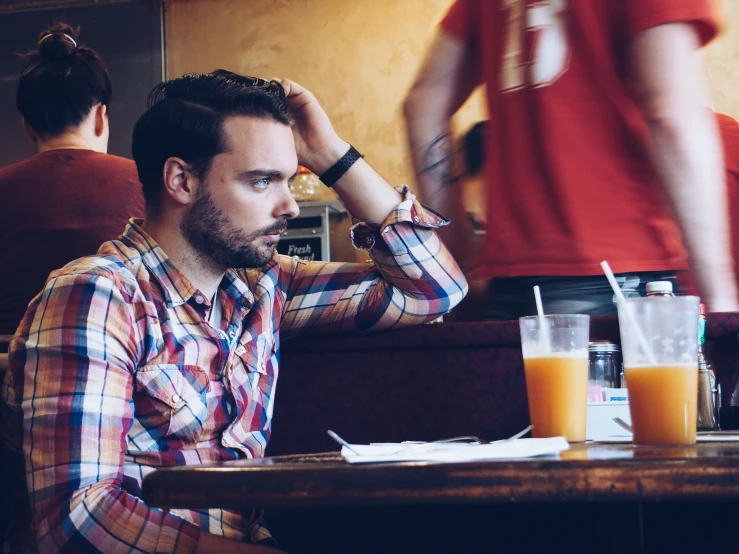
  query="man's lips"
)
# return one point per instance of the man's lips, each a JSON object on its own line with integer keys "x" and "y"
{"x": 274, "y": 234}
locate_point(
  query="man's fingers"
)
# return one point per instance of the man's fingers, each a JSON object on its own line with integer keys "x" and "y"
{"x": 290, "y": 87}
{"x": 293, "y": 89}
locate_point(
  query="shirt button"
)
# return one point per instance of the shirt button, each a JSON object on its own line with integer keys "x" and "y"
{"x": 176, "y": 398}
{"x": 416, "y": 218}
{"x": 240, "y": 350}
{"x": 232, "y": 334}
{"x": 369, "y": 240}
{"x": 199, "y": 299}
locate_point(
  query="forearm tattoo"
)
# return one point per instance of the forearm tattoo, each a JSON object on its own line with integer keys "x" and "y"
{"x": 437, "y": 161}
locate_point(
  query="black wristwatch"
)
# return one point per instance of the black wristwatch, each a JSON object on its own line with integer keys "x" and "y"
{"x": 335, "y": 172}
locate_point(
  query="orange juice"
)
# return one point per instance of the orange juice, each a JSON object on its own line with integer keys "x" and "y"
{"x": 663, "y": 401}
{"x": 557, "y": 387}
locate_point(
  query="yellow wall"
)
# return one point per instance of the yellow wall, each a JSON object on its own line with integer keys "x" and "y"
{"x": 358, "y": 57}
{"x": 721, "y": 61}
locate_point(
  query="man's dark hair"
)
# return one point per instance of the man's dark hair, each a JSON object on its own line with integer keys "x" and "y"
{"x": 60, "y": 82}
{"x": 473, "y": 144}
{"x": 185, "y": 119}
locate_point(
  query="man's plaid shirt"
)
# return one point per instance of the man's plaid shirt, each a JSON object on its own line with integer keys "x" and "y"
{"x": 115, "y": 371}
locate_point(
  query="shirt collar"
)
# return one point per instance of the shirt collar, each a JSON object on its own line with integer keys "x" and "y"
{"x": 237, "y": 288}
{"x": 176, "y": 286}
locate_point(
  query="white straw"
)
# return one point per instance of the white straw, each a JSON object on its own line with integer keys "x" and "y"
{"x": 544, "y": 329}
{"x": 629, "y": 314}
{"x": 537, "y": 296}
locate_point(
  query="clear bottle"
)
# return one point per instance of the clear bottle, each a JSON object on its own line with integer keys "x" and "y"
{"x": 708, "y": 392}
{"x": 659, "y": 288}
{"x": 629, "y": 287}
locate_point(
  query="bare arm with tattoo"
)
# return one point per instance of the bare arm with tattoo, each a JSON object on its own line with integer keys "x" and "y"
{"x": 446, "y": 79}
{"x": 436, "y": 168}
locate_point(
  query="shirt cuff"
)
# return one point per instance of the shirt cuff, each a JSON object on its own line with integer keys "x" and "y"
{"x": 410, "y": 210}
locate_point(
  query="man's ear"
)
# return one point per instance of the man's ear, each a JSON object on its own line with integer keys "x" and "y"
{"x": 180, "y": 183}
{"x": 30, "y": 133}
{"x": 101, "y": 119}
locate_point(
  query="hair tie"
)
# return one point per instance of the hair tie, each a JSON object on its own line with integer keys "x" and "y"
{"x": 65, "y": 34}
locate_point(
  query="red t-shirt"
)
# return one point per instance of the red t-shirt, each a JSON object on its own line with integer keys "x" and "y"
{"x": 59, "y": 205}
{"x": 570, "y": 179}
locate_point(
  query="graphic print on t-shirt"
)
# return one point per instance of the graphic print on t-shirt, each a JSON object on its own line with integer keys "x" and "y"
{"x": 550, "y": 52}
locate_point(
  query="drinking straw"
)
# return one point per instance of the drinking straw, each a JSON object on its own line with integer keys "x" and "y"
{"x": 537, "y": 297}
{"x": 627, "y": 311}
{"x": 542, "y": 322}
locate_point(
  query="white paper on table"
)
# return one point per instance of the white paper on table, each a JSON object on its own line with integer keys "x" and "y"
{"x": 453, "y": 452}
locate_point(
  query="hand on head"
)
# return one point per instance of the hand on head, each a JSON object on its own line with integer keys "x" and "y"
{"x": 315, "y": 137}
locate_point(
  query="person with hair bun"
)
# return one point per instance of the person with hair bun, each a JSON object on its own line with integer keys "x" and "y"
{"x": 72, "y": 196}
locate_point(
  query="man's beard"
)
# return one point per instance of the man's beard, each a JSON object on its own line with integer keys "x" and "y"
{"x": 208, "y": 231}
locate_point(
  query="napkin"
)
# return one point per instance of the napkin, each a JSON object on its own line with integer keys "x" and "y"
{"x": 452, "y": 452}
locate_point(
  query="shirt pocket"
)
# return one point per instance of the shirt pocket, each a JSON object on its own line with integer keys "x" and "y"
{"x": 257, "y": 360}
{"x": 173, "y": 397}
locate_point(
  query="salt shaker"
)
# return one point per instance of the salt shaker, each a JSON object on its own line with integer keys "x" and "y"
{"x": 604, "y": 364}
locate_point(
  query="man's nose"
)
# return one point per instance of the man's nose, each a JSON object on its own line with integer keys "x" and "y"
{"x": 288, "y": 208}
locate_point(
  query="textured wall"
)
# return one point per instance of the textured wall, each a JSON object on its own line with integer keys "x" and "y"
{"x": 357, "y": 56}
{"x": 721, "y": 59}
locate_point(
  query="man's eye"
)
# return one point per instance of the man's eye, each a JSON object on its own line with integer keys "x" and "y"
{"x": 261, "y": 183}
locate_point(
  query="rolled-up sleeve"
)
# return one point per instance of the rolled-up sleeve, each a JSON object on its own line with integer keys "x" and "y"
{"x": 72, "y": 364}
{"x": 412, "y": 278}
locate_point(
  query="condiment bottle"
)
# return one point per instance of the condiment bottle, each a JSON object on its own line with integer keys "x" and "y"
{"x": 708, "y": 396}
{"x": 659, "y": 288}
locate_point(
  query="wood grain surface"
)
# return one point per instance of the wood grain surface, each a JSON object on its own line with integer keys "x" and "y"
{"x": 586, "y": 473}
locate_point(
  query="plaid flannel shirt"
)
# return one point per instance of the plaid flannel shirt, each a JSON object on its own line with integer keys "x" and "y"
{"x": 115, "y": 371}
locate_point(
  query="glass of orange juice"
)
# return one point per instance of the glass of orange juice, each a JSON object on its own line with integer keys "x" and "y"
{"x": 663, "y": 381}
{"x": 555, "y": 360}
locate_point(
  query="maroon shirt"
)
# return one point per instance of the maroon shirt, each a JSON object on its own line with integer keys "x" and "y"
{"x": 58, "y": 206}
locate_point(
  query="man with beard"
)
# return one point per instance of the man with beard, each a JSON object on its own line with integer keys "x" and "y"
{"x": 163, "y": 348}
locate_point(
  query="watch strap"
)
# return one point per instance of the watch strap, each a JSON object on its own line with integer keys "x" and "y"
{"x": 336, "y": 171}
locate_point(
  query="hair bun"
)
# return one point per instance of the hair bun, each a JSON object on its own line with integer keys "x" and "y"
{"x": 58, "y": 42}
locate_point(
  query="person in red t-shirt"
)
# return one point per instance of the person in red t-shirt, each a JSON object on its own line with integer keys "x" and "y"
{"x": 599, "y": 147}
{"x": 72, "y": 196}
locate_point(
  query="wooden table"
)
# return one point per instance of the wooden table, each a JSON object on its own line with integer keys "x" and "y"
{"x": 639, "y": 493}
{"x": 587, "y": 472}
